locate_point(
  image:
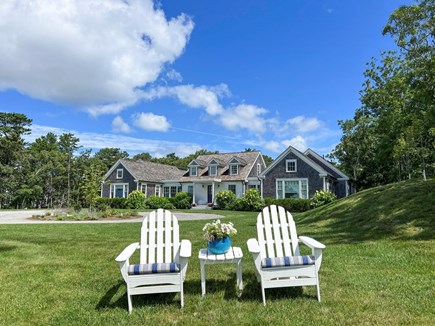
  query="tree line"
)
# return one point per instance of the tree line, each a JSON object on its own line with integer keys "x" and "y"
{"x": 392, "y": 134}
{"x": 54, "y": 171}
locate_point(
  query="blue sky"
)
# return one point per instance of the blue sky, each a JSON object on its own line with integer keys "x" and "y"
{"x": 178, "y": 76}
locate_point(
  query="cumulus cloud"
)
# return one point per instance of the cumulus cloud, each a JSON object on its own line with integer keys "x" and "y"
{"x": 87, "y": 53}
{"x": 297, "y": 142}
{"x": 198, "y": 97}
{"x": 151, "y": 122}
{"x": 301, "y": 124}
{"x": 244, "y": 116}
{"x": 119, "y": 125}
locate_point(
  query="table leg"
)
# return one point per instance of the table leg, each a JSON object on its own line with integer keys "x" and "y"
{"x": 202, "y": 263}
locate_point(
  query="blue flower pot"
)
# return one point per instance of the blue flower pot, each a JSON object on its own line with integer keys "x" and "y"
{"x": 219, "y": 246}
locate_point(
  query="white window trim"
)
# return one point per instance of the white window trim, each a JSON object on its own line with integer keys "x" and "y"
{"x": 292, "y": 179}
{"x": 117, "y": 173}
{"x": 124, "y": 189}
{"x": 213, "y": 166}
{"x": 193, "y": 168}
{"x": 258, "y": 168}
{"x": 158, "y": 191}
{"x": 231, "y": 169}
{"x": 146, "y": 188}
{"x": 287, "y": 165}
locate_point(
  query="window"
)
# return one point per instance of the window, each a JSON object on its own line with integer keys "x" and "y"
{"x": 290, "y": 166}
{"x": 234, "y": 169}
{"x": 193, "y": 171}
{"x": 143, "y": 188}
{"x": 119, "y": 190}
{"x": 166, "y": 192}
{"x": 212, "y": 170}
{"x": 258, "y": 168}
{"x": 158, "y": 190}
{"x": 232, "y": 188}
{"x": 292, "y": 188}
{"x": 257, "y": 187}
{"x": 190, "y": 190}
{"x": 119, "y": 173}
{"x": 173, "y": 191}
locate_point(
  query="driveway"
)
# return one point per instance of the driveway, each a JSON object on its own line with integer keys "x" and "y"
{"x": 24, "y": 217}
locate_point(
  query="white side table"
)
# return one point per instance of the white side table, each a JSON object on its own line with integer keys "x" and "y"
{"x": 234, "y": 255}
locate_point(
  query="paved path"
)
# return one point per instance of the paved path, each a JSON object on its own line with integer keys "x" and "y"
{"x": 24, "y": 217}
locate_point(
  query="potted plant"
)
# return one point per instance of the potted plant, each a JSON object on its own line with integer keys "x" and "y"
{"x": 218, "y": 235}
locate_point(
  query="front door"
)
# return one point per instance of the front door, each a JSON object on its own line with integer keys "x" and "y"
{"x": 209, "y": 194}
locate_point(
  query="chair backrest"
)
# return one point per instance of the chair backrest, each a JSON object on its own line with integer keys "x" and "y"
{"x": 159, "y": 238}
{"x": 277, "y": 236}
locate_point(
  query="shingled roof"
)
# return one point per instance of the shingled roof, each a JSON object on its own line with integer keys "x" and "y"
{"x": 150, "y": 171}
{"x": 246, "y": 159}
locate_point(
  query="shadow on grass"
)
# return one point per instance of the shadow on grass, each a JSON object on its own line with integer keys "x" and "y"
{"x": 252, "y": 291}
{"x": 5, "y": 248}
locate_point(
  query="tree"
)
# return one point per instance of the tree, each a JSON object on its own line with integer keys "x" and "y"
{"x": 68, "y": 144}
{"x": 109, "y": 156}
{"x": 13, "y": 126}
{"x": 392, "y": 134}
{"x": 143, "y": 157}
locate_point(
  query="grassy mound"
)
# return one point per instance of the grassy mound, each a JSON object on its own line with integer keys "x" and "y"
{"x": 404, "y": 210}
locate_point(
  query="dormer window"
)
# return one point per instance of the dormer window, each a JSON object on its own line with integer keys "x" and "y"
{"x": 290, "y": 166}
{"x": 193, "y": 171}
{"x": 119, "y": 173}
{"x": 258, "y": 168}
{"x": 234, "y": 169}
{"x": 212, "y": 170}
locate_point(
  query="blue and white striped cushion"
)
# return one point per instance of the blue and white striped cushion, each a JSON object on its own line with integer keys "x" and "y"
{"x": 287, "y": 261}
{"x": 139, "y": 269}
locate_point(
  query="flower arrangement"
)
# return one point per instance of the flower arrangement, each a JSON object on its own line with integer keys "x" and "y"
{"x": 218, "y": 230}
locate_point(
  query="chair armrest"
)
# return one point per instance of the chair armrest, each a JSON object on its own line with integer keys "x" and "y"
{"x": 127, "y": 252}
{"x": 253, "y": 246}
{"x": 310, "y": 242}
{"x": 185, "y": 248}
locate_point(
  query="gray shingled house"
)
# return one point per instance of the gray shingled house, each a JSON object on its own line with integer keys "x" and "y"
{"x": 151, "y": 178}
{"x": 294, "y": 174}
{"x": 208, "y": 174}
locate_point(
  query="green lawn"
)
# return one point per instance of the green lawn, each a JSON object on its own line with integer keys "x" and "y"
{"x": 65, "y": 274}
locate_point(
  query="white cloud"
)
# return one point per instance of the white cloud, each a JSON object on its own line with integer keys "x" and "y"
{"x": 199, "y": 97}
{"x": 297, "y": 142}
{"x": 151, "y": 122}
{"x": 87, "y": 53}
{"x": 119, "y": 125}
{"x": 98, "y": 141}
{"x": 301, "y": 124}
{"x": 273, "y": 146}
{"x": 244, "y": 116}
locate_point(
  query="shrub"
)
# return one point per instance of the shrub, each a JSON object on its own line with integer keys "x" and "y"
{"x": 225, "y": 199}
{"x": 155, "y": 202}
{"x": 250, "y": 202}
{"x": 322, "y": 197}
{"x": 102, "y": 203}
{"x": 136, "y": 200}
{"x": 182, "y": 200}
{"x": 290, "y": 204}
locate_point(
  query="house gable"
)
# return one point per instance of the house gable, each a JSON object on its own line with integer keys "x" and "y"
{"x": 325, "y": 164}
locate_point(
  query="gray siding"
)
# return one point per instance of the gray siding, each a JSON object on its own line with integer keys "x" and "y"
{"x": 253, "y": 172}
{"x": 127, "y": 178}
{"x": 304, "y": 170}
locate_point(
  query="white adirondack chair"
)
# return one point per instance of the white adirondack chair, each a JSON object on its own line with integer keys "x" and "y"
{"x": 163, "y": 258}
{"x": 276, "y": 253}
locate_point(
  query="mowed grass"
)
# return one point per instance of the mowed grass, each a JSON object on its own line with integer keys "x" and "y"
{"x": 378, "y": 268}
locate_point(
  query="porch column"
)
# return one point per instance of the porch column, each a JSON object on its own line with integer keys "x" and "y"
{"x": 324, "y": 183}
{"x": 212, "y": 192}
{"x": 193, "y": 195}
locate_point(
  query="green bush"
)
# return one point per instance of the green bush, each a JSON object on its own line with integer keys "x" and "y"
{"x": 225, "y": 199}
{"x": 155, "y": 202}
{"x": 251, "y": 201}
{"x": 290, "y": 204}
{"x": 182, "y": 200}
{"x": 136, "y": 200}
{"x": 322, "y": 197}
{"x": 102, "y": 203}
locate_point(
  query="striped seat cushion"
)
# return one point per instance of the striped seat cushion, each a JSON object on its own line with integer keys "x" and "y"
{"x": 287, "y": 261}
{"x": 139, "y": 269}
